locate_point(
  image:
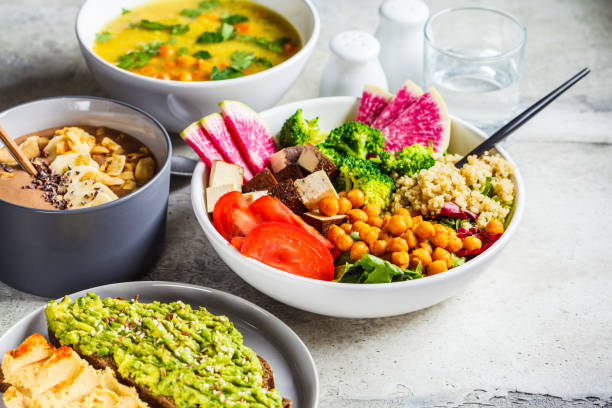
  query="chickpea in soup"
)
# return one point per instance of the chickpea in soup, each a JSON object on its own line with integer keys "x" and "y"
{"x": 191, "y": 40}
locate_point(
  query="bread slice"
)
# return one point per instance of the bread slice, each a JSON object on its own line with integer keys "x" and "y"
{"x": 145, "y": 394}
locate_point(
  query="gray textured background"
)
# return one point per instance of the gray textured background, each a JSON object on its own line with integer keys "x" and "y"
{"x": 535, "y": 331}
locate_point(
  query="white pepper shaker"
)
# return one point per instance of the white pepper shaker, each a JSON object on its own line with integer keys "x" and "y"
{"x": 353, "y": 62}
{"x": 400, "y": 33}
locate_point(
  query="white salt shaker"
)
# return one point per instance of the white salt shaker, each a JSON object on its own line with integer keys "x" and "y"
{"x": 400, "y": 33}
{"x": 353, "y": 62}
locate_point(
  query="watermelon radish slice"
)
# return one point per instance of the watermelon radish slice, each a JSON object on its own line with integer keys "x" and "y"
{"x": 219, "y": 135}
{"x": 406, "y": 96}
{"x": 424, "y": 121}
{"x": 373, "y": 101}
{"x": 199, "y": 141}
{"x": 250, "y": 134}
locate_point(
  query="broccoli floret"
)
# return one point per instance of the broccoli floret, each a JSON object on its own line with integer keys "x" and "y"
{"x": 366, "y": 176}
{"x": 408, "y": 161}
{"x": 356, "y": 139}
{"x": 297, "y": 131}
{"x": 331, "y": 153}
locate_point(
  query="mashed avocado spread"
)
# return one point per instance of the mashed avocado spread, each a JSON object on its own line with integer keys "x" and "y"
{"x": 193, "y": 356}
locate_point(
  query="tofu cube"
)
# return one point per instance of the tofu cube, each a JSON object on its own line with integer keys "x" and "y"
{"x": 261, "y": 181}
{"x": 313, "y": 188}
{"x": 322, "y": 223}
{"x": 285, "y": 157}
{"x": 311, "y": 159}
{"x": 254, "y": 195}
{"x": 214, "y": 193}
{"x": 222, "y": 173}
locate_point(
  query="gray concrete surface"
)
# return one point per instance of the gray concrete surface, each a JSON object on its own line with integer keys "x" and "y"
{"x": 535, "y": 331}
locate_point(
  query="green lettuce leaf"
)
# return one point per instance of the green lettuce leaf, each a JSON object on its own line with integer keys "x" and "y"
{"x": 371, "y": 269}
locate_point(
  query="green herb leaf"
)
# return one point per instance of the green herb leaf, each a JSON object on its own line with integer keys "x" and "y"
{"x": 192, "y": 13}
{"x": 233, "y": 18}
{"x": 457, "y": 260}
{"x": 172, "y": 40}
{"x": 264, "y": 61}
{"x": 371, "y": 269}
{"x": 454, "y": 223}
{"x": 227, "y": 73}
{"x": 272, "y": 45}
{"x": 103, "y": 37}
{"x": 242, "y": 59}
{"x": 208, "y": 4}
{"x": 182, "y": 51}
{"x": 141, "y": 57}
{"x": 202, "y": 54}
{"x": 125, "y": 11}
{"x": 225, "y": 32}
{"x": 487, "y": 189}
{"x": 179, "y": 29}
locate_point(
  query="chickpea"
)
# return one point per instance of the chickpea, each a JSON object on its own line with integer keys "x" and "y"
{"x": 185, "y": 76}
{"x": 165, "y": 51}
{"x": 329, "y": 206}
{"x": 471, "y": 243}
{"x": 375, "y": 221}
{"x": 440, "y": 239}
{"x": 426, "y": 246}
{"x": 495, "y": 227}
{"x": 186, "y": 61}
{"x": 344, "y": 205}
{"x": 346, "y": 227}
{"x": 397, "y": 225}
{"x": 356, "y": 197}
{"x": 357, "y": 215}
{"x": 378, "y": 247}
{"x": 373, "y": 210}
{"x": 408, "y": 220}
{"x": 162, "y": 75}
{"x": 439, "y": 228}
{"x": 416, "y": 221}
{"x": 358, "y": 226}
{"x": 204, "y": 65}
{"x": 420, "y": 255}
{"x": 384, "y": 236}
{"x": 454, "y": 244}
{"x": 342, "y": 194}
{"x": 402, "y": 211}
{"x": 400, "y": 259}
{"x": 344, "y": 242}
{"x": 436, "y": 267}
{"x": 370, "y": 234}
{"x": 441, "y": 254}
{"x": 424, "y": 230}
{"x": 410, "y": 239}
{"x": 386, "y": 220}
{"x": 397, "y": 244}
{"x": 334, "y": 232}
{"x": 359, "y": 248}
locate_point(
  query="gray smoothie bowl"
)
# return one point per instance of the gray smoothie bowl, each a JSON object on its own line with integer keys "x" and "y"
{"x": 53, "y": 252}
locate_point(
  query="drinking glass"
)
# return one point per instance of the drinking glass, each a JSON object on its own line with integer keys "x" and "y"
{"x": 474, "y": 58}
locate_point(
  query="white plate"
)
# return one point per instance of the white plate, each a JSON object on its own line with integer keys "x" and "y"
{"x": 295, "y": 374}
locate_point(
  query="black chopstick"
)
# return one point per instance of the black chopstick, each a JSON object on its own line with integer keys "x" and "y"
{"x": 523, "y": 117}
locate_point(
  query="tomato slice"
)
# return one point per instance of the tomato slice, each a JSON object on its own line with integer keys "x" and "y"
{"x": 237, "y": 242}
{"x": 272, "y": 209}
{"x": 232, "y": 216}
{"x": 289, "y": 248}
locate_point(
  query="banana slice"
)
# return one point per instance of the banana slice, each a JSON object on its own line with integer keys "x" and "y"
{"x": 65, "y": 162}
{"x": 82, "y": 189}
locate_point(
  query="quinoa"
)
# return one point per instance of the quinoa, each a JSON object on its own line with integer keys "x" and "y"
{"x": 428, "y": 190}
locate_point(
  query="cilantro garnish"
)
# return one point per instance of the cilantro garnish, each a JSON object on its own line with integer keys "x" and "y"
{"x": 227, "y": 73}
{"x": 241, "y": 60}
{"x": 141, "y": 57}
{"x": 272, "y": 45}
{"x": 225, "y": 32}
{"x": 103, "y": 37}
{"x": 182, "y": 51}
{"x": 233, "y": 18}
{"x": 125, "y": 11}
{"x": 264, "y": 61}
{"x": 202, "y": 54}
{"x": 156, "y": 25}
{"x": 208, "y": 4}
{"x": 192, "y": 13}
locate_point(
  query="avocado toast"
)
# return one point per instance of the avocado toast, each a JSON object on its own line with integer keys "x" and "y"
{"x": 174, "y": 355}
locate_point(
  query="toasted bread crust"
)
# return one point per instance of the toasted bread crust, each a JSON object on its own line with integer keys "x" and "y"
{"x": 145, "y": 394}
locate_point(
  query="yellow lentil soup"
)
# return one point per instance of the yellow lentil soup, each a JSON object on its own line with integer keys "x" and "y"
{"x": 192, "y": 40}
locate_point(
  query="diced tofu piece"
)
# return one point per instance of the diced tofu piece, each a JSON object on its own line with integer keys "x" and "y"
{"x": 291, "y": 172}
{"x": 214, "y": 193}
{"x": 261, "y": 181}
{"x": 313, "y": 160}
{"x": 225, "y": 173}
{"x": 313, "y": 188}
{"x": 285, "y": 157}
{"x": 287, "y": 193}
{"x": 254, "y": 195}
{"x": 322, "y": 223}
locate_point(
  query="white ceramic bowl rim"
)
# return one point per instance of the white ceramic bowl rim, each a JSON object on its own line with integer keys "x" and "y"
{"x": 310, "y": 43}
{"x": 430, "y": 280}
{"x": 119, "y": 201}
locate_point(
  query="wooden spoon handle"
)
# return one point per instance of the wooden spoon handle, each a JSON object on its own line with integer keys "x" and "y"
{"x": 16, "y": 152}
